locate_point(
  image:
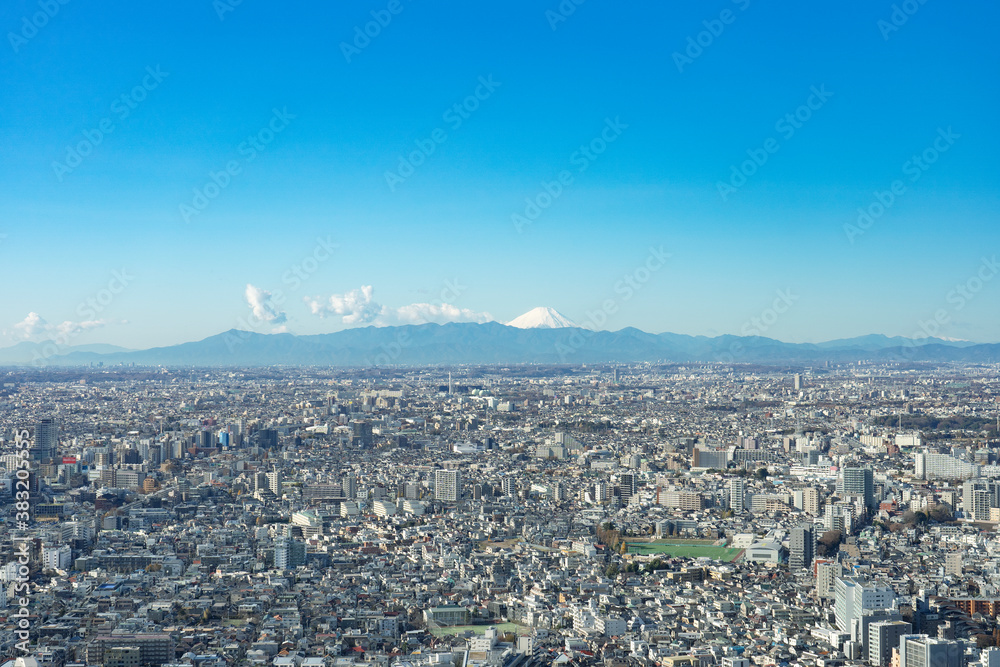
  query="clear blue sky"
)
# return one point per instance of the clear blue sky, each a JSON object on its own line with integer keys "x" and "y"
{"x": 886, "y": 95}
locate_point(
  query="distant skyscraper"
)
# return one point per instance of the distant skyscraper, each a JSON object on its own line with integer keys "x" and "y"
{"x": 803, "y": 546}
{"x": 46, "y": 440}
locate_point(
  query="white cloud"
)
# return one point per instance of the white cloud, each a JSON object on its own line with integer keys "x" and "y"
{"x": 358, "y": 307}
{"x": 30, "y": 326}
{"x": 422, "y": 313}
{"x": 35, "y": 326}
{"x": 354, "y": 307}
{"x": 264, "y": 305}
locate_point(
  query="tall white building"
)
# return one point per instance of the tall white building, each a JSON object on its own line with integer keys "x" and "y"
{"x": 448, "y": 485}
{"x": 274, "y": 482}
{"x": 853, "y": 597}
{"x": 57, "y": 558}
{"x": 927, "y": 465}
{"x": 827, "y": 573}
{"x": 737, "y": 494}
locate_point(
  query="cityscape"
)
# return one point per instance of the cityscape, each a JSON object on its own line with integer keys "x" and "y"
{"x": 532, "y": 333}
{"x": 650, "y": 514}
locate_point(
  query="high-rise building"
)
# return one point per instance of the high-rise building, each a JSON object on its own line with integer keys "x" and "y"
{"x": 924, "y": 651}
{"x": 860, "y": 482}
{"x": 853, "y": 597}
{"x": 46, "y": 440}
{"x": 883, "y": 636}
{"x": 350, "y": 485}
{"x": 827, "y": 573}
{"x": 802, "y": 546}
{"x": 289, "y": 553}
{"x": 448, "y": 485}
{"x": 627, "y": 487}
{"x": 976, "y": 499}
{"x": 810, "y": 500}
{"x": 737, "y": 494}
{"x": 274, "y": 482}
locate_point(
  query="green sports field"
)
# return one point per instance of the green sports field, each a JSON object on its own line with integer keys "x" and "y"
{"x": 684, "y": 550}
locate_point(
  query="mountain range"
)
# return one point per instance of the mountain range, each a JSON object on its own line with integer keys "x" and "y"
{"x": 495, "y": 343}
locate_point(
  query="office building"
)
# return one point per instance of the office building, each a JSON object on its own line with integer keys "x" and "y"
{"x": 853, "y": 597}
{"x": 46, "y": 440}
{"x": 883, "y": 636}
{"x": 289, "y": 553}
{"x": 709, "y": 458}
{"x": 860, "y": 483}
{"x": 924, "y": 651}
{"x": 802, "y": 546}
{"x": 627, "y": 487}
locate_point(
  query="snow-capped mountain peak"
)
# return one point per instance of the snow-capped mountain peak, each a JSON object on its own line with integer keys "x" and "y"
{"x": 541, "y": 318}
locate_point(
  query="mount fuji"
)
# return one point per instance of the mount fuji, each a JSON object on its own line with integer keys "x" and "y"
{"x": 542, "y": 318}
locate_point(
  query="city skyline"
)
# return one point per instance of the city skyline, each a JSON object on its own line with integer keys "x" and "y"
{"x": 696, "y": 167}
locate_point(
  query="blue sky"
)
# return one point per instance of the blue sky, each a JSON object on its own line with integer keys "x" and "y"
{"x": 187, "y": 93}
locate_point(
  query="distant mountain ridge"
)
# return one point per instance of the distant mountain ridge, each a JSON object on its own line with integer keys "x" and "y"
{"x": 495, "y": 343}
